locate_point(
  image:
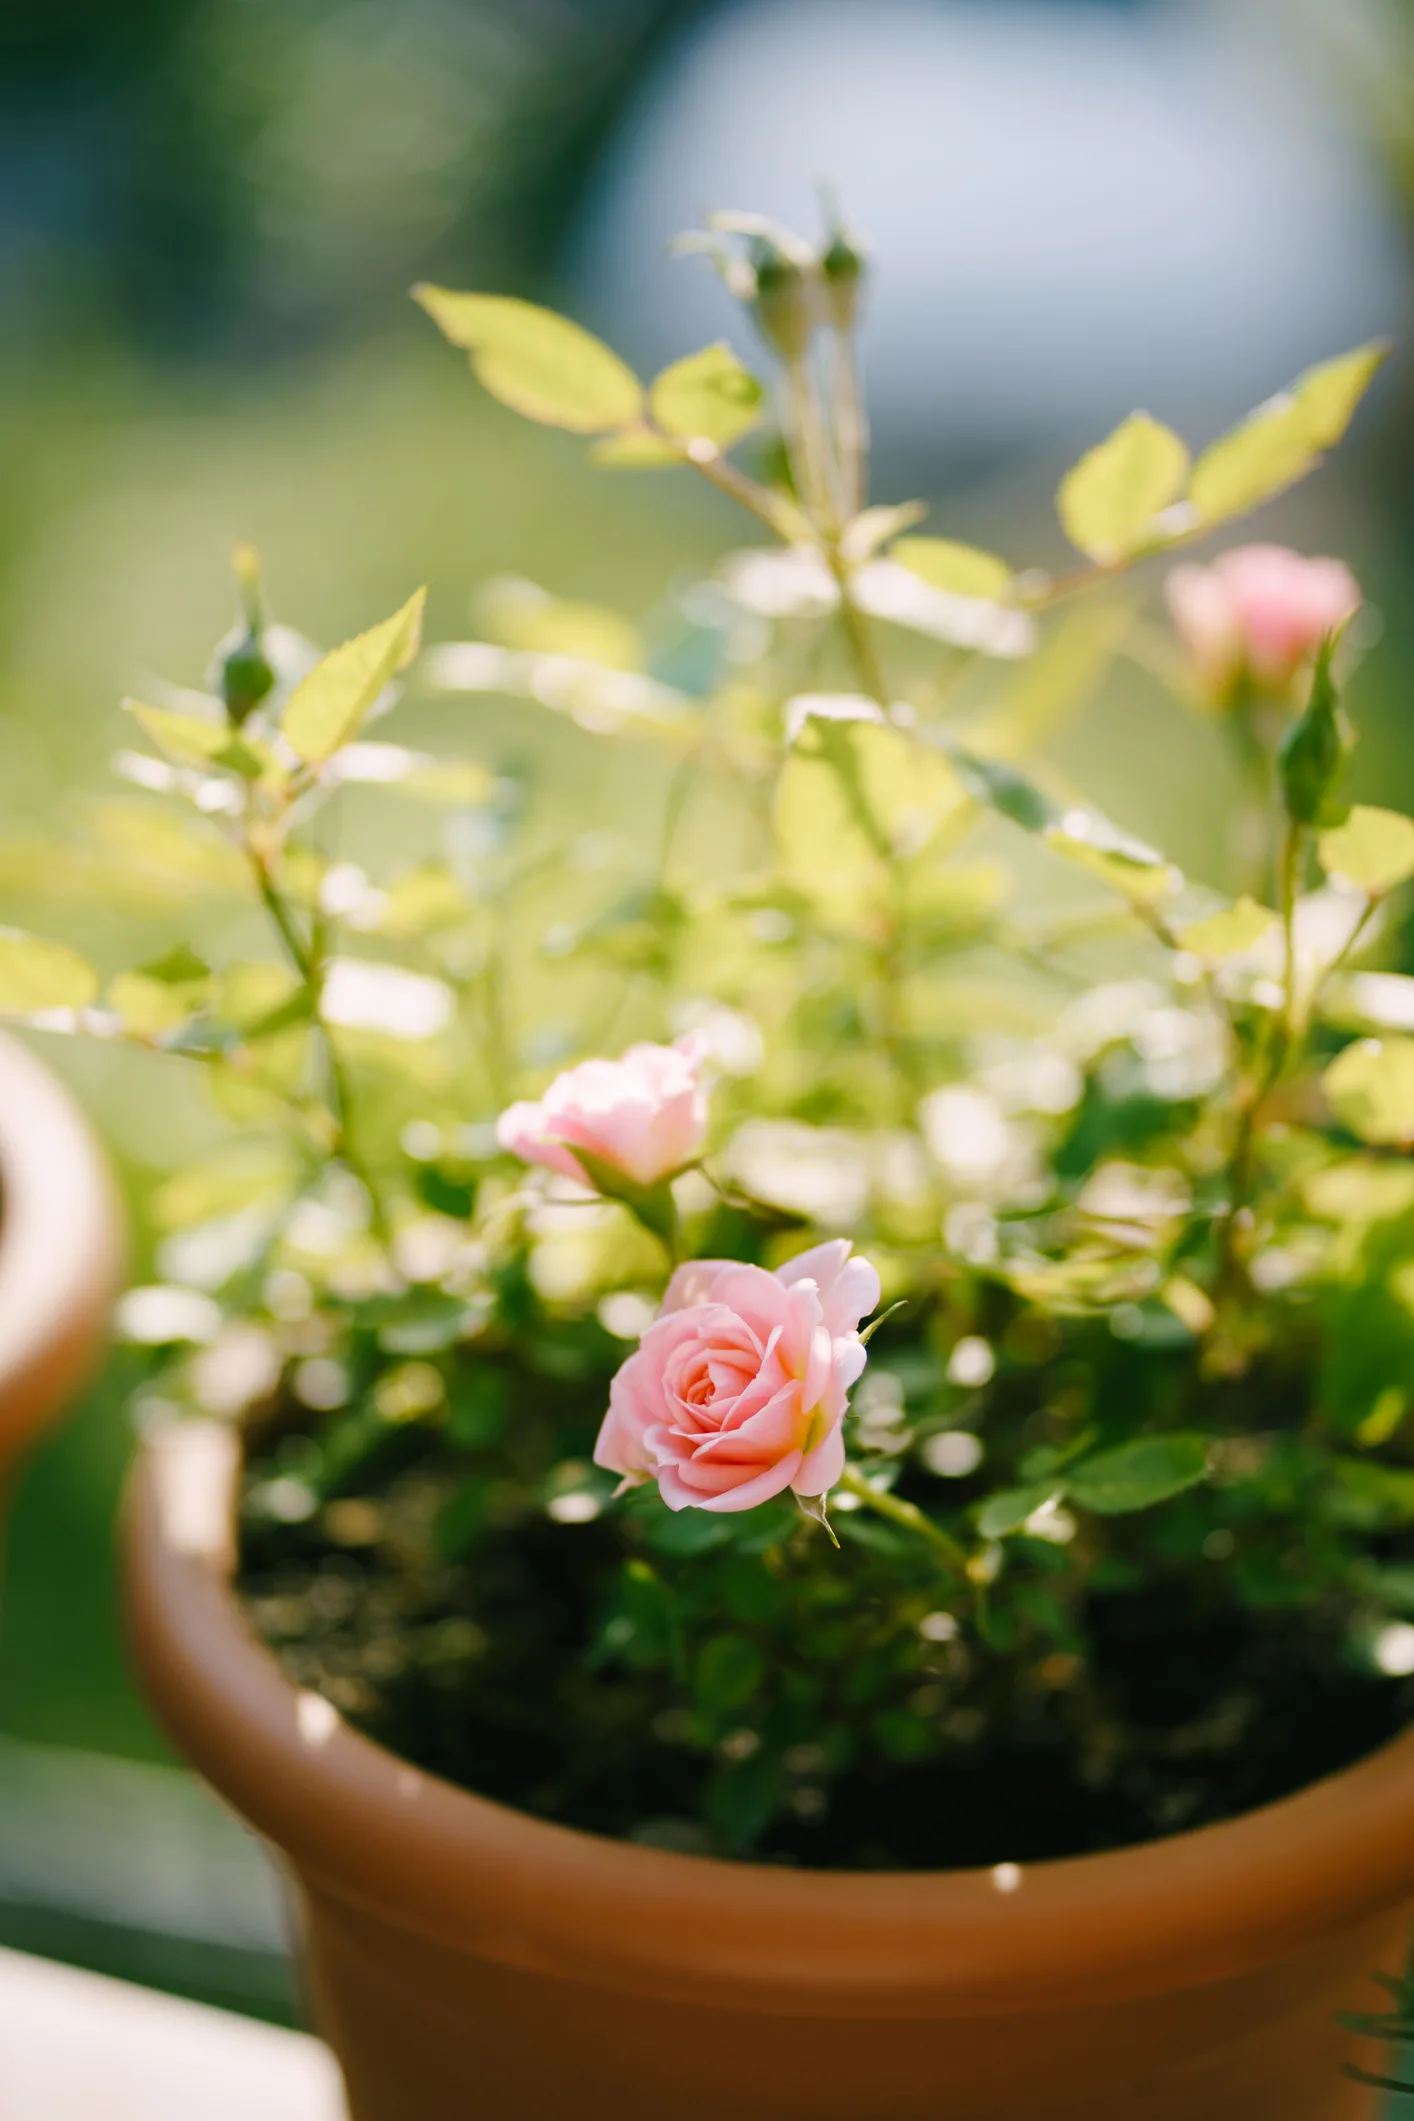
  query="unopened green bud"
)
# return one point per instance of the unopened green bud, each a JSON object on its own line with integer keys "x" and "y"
{"x": 784, "y": 300}
{"x": 245, "y": 677}
{"x": 240, "y": 672}
{"x": 842, "y": 269}
{"x": 1316, "y": 747}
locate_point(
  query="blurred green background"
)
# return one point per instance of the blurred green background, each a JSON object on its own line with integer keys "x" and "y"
{"x": 210, "y": 211}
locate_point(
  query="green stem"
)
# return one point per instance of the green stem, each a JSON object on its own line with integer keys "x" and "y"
{"x": 1281, "y": 1038}
{"x": 307, "y": 964}
{"x": 910, "y": 1518}
{"x": 851, "y": 425}
{"x": 810, "y": 456}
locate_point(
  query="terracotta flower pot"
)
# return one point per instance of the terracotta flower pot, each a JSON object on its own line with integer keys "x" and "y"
{"x": 468, "y": 1961}
{"x": 60, "y": 1249}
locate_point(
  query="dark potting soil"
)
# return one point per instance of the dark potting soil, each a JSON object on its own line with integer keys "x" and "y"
{"x": 482, "y": 1671}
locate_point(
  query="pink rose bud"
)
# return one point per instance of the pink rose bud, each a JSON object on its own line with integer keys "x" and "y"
{"x": 739, "y": 1387}
{"x": 1258, "y": 613}
{"x": 645, "y": 1114}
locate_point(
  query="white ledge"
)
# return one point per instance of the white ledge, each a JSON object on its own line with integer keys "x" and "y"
{"x": 75, "y": 2046}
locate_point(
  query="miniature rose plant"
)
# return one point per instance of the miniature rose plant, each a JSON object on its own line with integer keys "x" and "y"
{"x": 852, "y": 1312}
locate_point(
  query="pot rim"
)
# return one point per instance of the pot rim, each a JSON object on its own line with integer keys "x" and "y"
{"x": 60, "y": 1247}
{"x": 366, "y": 1828}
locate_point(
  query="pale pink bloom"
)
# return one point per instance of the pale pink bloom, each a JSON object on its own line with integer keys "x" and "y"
{"x": 1260, "y": 611}
{"x": 739, "y": 1387}
{"x": 645, "y": 1114}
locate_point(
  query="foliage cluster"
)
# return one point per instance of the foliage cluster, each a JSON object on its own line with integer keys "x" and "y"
{"x": 1130, "y": 1479}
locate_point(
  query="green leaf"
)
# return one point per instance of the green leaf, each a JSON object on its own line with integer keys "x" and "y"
{"x": 1108, "y": 502}
{"x": 1085, "y": 836}
{"x": 329, "y": 706}
{"x": 960, "y": 570}
{"x": 1134, "y": 1476}
{"x": 1373, "y": 849}
{"x": 538, "y": 363}
{"x": 1283, "y": 439}
{"x": 708, "y": 395}
{"x": 1228, "y": 934}
{"x": 250, "y": 994}
{"x": 36, "y": 974}
{"x": 157, "y": 997}
{"x": 872, "y": 528}
{"x": 741, "y": 1797}
{"x": 1370, "y": 1088}
{"x": 1008, "y": 1510}
{"x": 421, "y": 901}
{"x": 1373, "y": 1494}
{"x": 193, "y": 742}
{"x": 729, "y": 1671}
{"x": 850, "y": 796}
{"x": 635, "y": 449}
{"x": 463, "y": 1517}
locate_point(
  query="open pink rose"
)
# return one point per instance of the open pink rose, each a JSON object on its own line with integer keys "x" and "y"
{"x": 1261, "y": 611}
{"x": 738, "y": 1388}
{"x": 645, "y": 1114}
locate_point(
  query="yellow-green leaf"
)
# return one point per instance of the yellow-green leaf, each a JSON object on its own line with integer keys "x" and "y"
{"x": 36, "y": 974}
{"x": 636, "y": 449}
{"x": 872, "y": 528}
{"x": 1370, "y": 1088}
{"x": 538, "y": 363}
{"x": 1109, "y": 500}
{"x": 328, "y": 707}
{"x": 194, "y": 742}
{"x": 519, "y": 614}
{"x": 960, "y": 570}
{"x": 458, "y": 781}
{"x": 708, "y": 395}
{"x": 1281, "y": 441}
{"x": 421, "y": 901}
{"x": 1373, "y": 849}
{"x": 1228, "y": 934}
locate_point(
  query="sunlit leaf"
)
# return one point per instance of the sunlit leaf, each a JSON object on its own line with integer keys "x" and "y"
{"x": 1236, "y": 929}
{"x": 36, "y": 974}
{"x": 1359, "y": 1189}
{"x": 521, "y": 615}
{"x": 538, "y": 363}
{"x": 1282, "y": 440}
{"x": 240, "y": 1174}
{"x": 852, "y": 797}
{"x": 191, "y": 741}
{"x": 329, "y": 706}
{"x": 708, "y": 394}
{"x": 155, "y": 998}
{"x": 1373, "y": 849}
{"x": 1370, "y": 1088}
{"x": 1135, "y": 1476}
{"x": 872, "y": 528}
{"x": 1085, "y": 836}
{"x": 1108, "y": 501}
{"x": 635, "y": 449}
{"x": 421, "y": 901}
{"x": 1368, "y": 1001}
{"x": 248, "y": 994}
{"x": 960, "y": 570}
